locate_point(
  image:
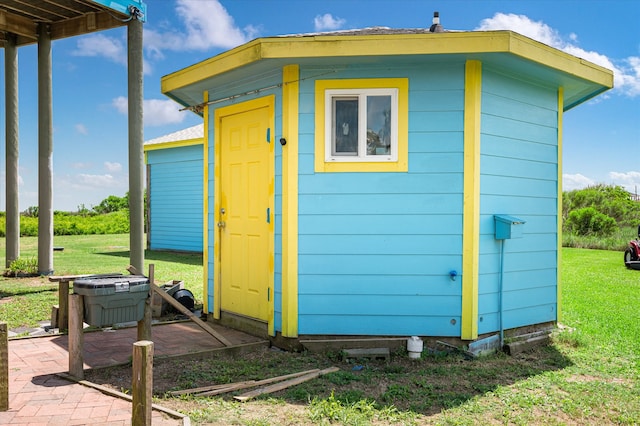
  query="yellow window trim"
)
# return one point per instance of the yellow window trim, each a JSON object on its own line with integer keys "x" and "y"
{"x": 402, "y": 164}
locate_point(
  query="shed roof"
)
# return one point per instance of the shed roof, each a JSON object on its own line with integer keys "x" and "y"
{"x": 507, "y": 50}
{"x": 189, "y": 136}
{"x": 66, "y": 17}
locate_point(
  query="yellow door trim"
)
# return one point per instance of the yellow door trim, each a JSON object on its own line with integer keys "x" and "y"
{"x": 205, "y": 208}
{"x": 219, "y": 114}
{"x": 290, "y": 105}
{"x": 471, "y": 203}
{"x": 559, "y": 231}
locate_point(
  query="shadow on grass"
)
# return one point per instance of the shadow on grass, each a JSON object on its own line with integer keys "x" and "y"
{"x": 432, "y": 384}
{"x": 25, "y": 292}
{"x": 165, "y": 256}
{"x": 426, "y": 386}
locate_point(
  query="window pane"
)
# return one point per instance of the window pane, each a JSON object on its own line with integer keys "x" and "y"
{"x": 378, "y": 125}
{"x": 345, "y": 125}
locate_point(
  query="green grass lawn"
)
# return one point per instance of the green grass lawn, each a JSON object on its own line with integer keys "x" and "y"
{"x": 28, "y": 301}
{"x": 590, "y": 374}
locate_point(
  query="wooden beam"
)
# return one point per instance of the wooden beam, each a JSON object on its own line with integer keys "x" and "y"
{"x": 84, "y": 24}
{"x": 173, "y": 302}
{"x": 18, "y": 25}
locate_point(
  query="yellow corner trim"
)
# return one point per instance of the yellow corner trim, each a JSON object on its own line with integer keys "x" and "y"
{"x": 559, "y": 218}
{"x": 471, "y": 203}
{"x": 290, "y": 108}
{"x": 402, "y": 164}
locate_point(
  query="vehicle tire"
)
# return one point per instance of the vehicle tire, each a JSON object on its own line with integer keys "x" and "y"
{"x": 628, "y": 257}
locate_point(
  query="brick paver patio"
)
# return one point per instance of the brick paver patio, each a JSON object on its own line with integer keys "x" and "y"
{"x": 39, "y": 396}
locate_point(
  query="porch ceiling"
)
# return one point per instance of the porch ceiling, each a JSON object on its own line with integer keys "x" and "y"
{"x": 66, "y": 18}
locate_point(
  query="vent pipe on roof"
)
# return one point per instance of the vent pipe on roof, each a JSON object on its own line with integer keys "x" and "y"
{"x": 436, "y": 27}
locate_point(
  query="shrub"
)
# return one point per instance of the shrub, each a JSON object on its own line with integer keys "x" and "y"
{"x": 589, "y": 221}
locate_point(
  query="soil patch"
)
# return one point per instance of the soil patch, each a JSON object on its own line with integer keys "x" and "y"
{"x": 426, "y": 386}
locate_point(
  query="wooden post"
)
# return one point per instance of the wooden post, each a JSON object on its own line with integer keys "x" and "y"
{"x": 144, "y": 325}
{"x": 76, "y": 336}
{"x": 142, "y": 383}
{"x": 63, "y": 305}
{"x": 4, "y": 367}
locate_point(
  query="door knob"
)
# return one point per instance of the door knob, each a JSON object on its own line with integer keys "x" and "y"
{"x": 221, "y": 224}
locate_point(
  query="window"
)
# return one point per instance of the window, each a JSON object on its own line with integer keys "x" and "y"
{"x": 361, "y": 125}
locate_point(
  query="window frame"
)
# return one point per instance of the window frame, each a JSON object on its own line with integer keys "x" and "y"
{"x": 326, "y": 91}
{"x": 362, "y": 96}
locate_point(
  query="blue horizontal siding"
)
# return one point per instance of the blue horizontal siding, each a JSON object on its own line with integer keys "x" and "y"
{"x": 379, "y": 325}
{"x": 519, "y": 175}
{"x": 500, "y": 146}
{"x": 176, "y": 199}
{"x": 372, "y": 264}
{"x": 373, "y": 305}
{"x": 400, "y": 224}
{"x": 175, "y": 155}
{"x": 399, "y": 283}
{"x": 371, "y": 243}
{"x": 383, "y": 184}
{"x": 368, "y": 204}
{"x": 518, "y": 130}
{"x": 381, "y": 243}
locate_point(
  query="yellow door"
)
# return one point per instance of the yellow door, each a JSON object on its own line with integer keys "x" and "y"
{"x": 245, "y": 213}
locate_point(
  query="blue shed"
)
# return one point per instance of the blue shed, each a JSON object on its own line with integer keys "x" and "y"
{"x": 354, "y": 181}
{"x": 175, "y": 174}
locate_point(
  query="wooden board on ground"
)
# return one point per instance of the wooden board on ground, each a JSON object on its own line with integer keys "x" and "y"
{"x": 283, "y": 385}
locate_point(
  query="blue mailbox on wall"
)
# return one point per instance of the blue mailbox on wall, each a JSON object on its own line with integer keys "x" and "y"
{"x": 508, "y": 227}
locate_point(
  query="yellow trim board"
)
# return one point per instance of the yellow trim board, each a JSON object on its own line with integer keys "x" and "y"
{"x": 471, "y": 200}
{"x": 290, "y": 108}
{"x": 173, "y": 144}
{"x": 464, "y": 43}
{"x": 559, "y": 213}
{"x": 205, "y": 207}
{"x": 402, "y": 164}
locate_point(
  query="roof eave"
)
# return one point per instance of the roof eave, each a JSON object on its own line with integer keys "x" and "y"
{"x": 335, "y": 45}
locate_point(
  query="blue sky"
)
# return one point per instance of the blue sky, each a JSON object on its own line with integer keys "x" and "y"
{"x": 601, "y": 137}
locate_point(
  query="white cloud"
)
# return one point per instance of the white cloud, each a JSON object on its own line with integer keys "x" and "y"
{"x": 81, "y": 165}
{"x": 207, "y": 25}
{"x": 83, "y": 180}
{"x": 157, "y": 112}
{"x": 327, "y": 22}
{"x": 82, "y": 129}
{"x": 111, "y": 48}
{"x": 626, "y": 71}
{"x": 101, "y": 45}
{"x": 577, "y": 181}
{"x": 629, "y": 180}
{"x": 112, "y": 167}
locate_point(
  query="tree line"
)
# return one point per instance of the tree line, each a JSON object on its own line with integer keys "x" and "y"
{"x": 110, "y": 216}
